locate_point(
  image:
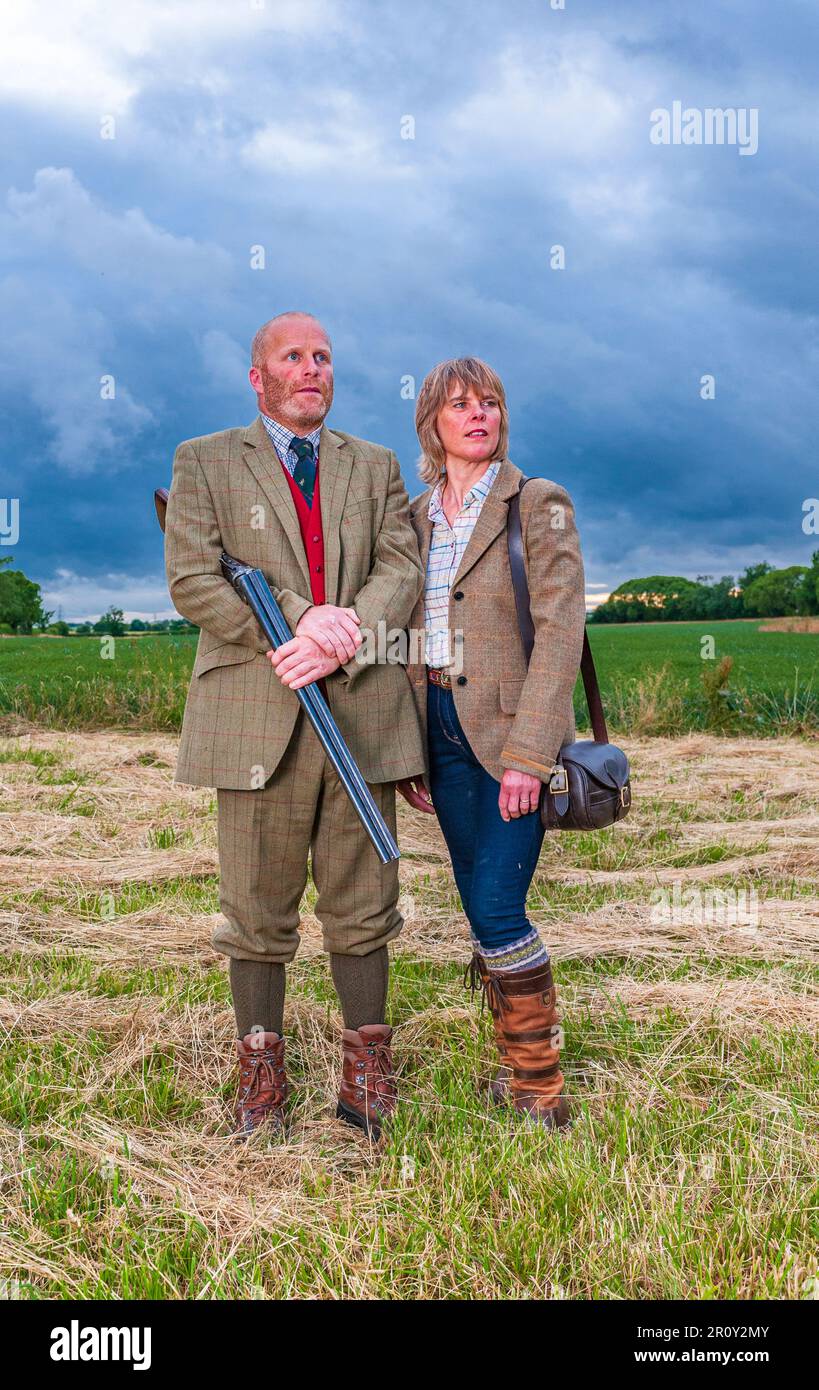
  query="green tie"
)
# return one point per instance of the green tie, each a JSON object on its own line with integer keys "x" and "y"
{"x": 304, "y": 474}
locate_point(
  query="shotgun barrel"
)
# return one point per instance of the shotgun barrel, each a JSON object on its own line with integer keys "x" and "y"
{"x": 251, "y": 586}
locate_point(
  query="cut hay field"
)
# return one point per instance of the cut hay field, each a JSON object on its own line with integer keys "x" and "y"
{"x": 690, "y": 1055}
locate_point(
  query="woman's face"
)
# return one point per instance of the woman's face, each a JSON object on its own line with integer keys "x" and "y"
{"x": 469, "y": 425}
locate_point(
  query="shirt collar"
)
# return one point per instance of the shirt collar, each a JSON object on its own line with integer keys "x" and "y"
{"x": 281, "y": 436}
{"x": 477, "y": 492}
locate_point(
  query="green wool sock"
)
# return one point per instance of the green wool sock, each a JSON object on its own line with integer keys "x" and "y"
{"x": 361, "y": 983}
{"x": 258, "y": 995}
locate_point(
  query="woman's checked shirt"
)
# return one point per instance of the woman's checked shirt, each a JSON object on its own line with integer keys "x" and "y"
{"x": 446, "y": 549}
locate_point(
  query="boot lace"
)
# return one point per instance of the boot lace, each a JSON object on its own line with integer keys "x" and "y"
{"x": 491, "y": 986}
{"x": 265, "y": 1076}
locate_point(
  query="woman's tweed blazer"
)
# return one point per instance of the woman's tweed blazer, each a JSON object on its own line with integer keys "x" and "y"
{"x": 513, "y": 717}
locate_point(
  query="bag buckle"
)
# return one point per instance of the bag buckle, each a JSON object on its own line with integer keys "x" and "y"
{"x": 558, "y": 782}
{"x": 625, "y": 796}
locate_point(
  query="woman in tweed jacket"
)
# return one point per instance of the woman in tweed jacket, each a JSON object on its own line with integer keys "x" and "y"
{"x": 493, "y": 726}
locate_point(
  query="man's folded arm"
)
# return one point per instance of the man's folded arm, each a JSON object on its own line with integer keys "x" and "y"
{"x": 396, "y": 577}
{"x": 193, "y": 550}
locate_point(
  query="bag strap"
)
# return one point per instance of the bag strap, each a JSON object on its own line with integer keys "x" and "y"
{"x": 527, "y": 628}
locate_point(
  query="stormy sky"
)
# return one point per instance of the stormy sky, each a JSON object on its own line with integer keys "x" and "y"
{"x": 150, "y": 146}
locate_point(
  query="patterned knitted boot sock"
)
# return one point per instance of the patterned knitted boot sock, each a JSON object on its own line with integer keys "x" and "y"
{"x": 522, "y": 954}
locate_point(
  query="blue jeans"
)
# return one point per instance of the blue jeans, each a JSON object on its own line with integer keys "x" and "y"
{"x": 493, "y": 860}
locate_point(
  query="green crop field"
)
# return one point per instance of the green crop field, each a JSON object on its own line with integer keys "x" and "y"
{"x": 762, "y": 660}
{"x": 68, "y": 682}
{"x": 653, "y": 676}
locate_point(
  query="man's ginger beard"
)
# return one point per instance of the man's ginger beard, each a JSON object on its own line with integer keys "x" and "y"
{"x": 280, "y": 397}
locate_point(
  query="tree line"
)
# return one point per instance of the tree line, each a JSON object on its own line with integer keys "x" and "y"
{"x": 760, "y": 592}
{"x": 22, "y": 612}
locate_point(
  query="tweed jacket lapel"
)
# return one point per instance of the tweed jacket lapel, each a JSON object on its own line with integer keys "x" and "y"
{"x": 423, "y": 526}
{"x": 334, "y": 477}
{"x": 265, "y": 465}
{"x": 491, "y": 521}
{"x": 493, "y": 517}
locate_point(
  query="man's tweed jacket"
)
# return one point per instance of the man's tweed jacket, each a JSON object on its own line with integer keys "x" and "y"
{"x": 513, "y": 718}
{"x": 229, "y": 493}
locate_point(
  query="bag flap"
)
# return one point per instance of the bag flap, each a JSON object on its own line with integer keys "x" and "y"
{"x": 605, "y": 762}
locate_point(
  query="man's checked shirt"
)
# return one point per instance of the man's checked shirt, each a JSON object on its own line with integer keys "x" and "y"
{"x": 280, "y": 439}
{"x": 446, "y": 549}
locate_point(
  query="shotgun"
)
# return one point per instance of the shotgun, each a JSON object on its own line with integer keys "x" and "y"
{"x": 251, "y": 586}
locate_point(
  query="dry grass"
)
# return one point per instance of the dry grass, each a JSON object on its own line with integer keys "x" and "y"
{"x": 690, "y": 1168}
{"x": 789, "y": 625}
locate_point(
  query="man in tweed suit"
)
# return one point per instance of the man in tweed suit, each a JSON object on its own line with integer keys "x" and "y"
{"x": 325, "y": 516}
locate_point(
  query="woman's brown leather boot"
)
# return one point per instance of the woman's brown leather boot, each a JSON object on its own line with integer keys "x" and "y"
{"x": 526, "y": 1004}
{"x": 368, "y": 1093}
{"x": 263, "y": 1087}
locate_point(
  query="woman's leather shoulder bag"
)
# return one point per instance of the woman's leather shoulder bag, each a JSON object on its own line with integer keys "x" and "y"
{"x": 590, "y": 787}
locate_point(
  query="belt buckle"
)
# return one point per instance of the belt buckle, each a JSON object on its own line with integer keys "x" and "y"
{"x": 445, "y": 679}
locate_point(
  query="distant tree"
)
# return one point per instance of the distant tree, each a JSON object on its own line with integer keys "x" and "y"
{"x": 20, "y": 600}
{"x": 137, "y": 625}
{"x": 111, "y": 622}
{"x": 810, "y": 594}
{"x": 777, "y": 593}
{"x": 754, "y": 572}
{"x": 718, "y": 600}
{"x": 59, "y": 629}
{"x": 656, "y": 598}
{"x": 662, "y": 585}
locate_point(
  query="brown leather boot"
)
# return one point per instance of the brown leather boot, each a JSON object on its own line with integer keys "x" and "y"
{"x": 368, "y": 1091}
{"x": 526, "y": 1001}
{"x": 263, "y": 1087}
{"x": 476, "y": 976}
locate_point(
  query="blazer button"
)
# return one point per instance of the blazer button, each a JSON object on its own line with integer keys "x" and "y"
{"x": 462, "y": 680}
{"x": 458, "y": 595}
{"x": 316, "y": 540}
{"x": 318, "y": 569}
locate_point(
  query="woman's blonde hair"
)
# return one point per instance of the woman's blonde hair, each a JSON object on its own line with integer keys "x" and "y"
{"x": 462, "y": 372}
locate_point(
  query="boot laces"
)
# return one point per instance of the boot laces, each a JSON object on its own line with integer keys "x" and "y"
{"x": 263, "y": 1075}
{"x": 490, "y": 985}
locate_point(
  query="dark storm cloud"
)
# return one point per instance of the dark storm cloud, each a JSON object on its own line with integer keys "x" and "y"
{"x": 281, "y": 127}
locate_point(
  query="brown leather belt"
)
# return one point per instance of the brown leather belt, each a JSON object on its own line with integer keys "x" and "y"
{"x": 439, "y": 675}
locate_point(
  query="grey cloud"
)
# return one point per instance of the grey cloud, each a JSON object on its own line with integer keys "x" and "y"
{"x": 531, "y": 129}
{"x": 61, "y": 217}
{"x": 55, "y": 355}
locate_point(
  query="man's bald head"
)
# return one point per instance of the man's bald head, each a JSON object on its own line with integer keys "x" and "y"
{"x": 257, "y": 347}
{"x": 292, "y": 371}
